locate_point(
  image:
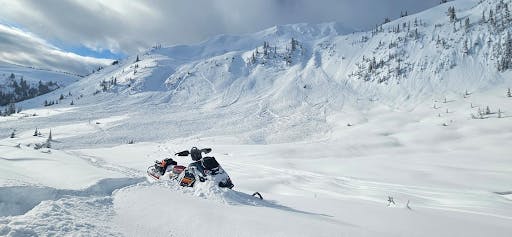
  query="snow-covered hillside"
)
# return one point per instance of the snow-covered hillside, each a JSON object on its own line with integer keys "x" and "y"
{"x": 19, "y": 83}
{"x": 402, "y": 130}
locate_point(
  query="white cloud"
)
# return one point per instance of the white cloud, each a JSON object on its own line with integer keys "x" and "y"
{"x": 23, "y": 48}
{"x": 128, "y": 26}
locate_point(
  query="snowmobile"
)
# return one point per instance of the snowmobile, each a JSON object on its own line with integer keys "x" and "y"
{"x": 202, "y": 169}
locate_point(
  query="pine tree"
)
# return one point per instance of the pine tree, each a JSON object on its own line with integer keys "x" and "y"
{"x": 467, "y": 24}
{"x": 13, "y": 134}
{"x": 293, "y": 45}
{"x": 509, "y": 94}
{"x": 507, "y": 14}
{"x": 465, "y": 48}
{"x": 492, "y": 20}
{"x": 507, "y": 54}
{"x": 35, "y": 133}
{"x": 50, "y": 136}
{"x": 137, "y": 59}
{"x": 487, "y": 110}
{"x": 451, "y": 14}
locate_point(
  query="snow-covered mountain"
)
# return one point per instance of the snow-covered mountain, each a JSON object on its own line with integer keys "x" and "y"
{"x": 401, "y": 130}
{"x": 292, "y": 75}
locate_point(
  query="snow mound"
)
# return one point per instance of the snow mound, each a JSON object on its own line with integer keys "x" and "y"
{"x": 18, "y": 200}
{"x": 77, "y": 216}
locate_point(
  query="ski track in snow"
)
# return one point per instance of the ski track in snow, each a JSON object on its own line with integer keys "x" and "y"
{"x": 345, "y": 187}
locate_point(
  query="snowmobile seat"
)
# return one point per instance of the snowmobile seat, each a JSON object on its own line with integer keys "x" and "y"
{"x": 210, "y": 163}
{"x": 164, "y": 164}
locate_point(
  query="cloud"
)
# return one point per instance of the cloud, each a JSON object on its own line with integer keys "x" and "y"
{"x": 129, "y": 26}
{"x": 22, "y": 48}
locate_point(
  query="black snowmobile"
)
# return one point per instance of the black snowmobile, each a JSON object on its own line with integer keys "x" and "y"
{"x": 202, "y": 169}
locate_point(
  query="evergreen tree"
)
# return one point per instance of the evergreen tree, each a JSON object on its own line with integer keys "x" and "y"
{"x": 465, "y": 48}
{"x": 293, "y": 45}
{"x": 492, "y": 20}
{"x": 35, "y": 133}
{"x": 507, "y": 55}
{"x": 451, "y": 14}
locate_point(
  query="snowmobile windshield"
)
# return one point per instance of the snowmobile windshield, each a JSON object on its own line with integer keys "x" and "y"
{"x": 195, "y": 154}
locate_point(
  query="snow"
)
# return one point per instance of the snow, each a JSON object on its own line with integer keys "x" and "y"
{"x": 33, "y": 75}
{"x": 325, "y": 148}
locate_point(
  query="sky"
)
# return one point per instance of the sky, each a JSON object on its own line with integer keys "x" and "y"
{"x": 117, "y": 28}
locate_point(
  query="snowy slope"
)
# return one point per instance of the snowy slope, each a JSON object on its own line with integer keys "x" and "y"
{"x": 33, "y": 75}
{"x": 324, "y": 139}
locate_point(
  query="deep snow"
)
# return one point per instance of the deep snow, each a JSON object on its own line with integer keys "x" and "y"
{"x": 325, "y": 147}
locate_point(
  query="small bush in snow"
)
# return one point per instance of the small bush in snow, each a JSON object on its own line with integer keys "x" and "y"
{"x": 391, "y": 201}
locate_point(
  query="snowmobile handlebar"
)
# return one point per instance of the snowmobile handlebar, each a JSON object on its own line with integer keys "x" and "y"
{"x": 186, "y": 153}
{"x": 182, "y": 153}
